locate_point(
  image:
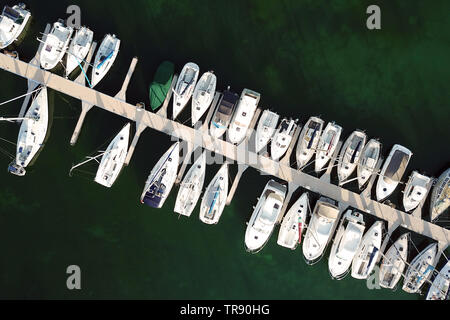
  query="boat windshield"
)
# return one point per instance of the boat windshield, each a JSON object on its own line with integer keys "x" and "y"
{"x": 11, "y": 13}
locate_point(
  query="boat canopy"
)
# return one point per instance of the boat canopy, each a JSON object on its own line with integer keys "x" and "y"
{"x": 396, "y": 166}
{"x": 327, "y": 210}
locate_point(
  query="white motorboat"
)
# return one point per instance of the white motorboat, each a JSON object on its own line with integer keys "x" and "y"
{"x": 420, "y": 269}
{"x": 264, "y": 216}
{"x": 245, "y": 110}
{"x": 55, "y": 46}
{"x": 79, "y": 48}
{"x": 282, "y": 138}
{"x": 439, "y": 289}
{"x": 105, "y": 57}
{"x": 161, "y": 178}
{"x": 12, "y": 23}
{"x": 308, "y": 140}
{"x": 191, "y": 187}
{"x": 215, "y": 197}
{"x": 327, "y": 145}
{"x": 368, "y": 161}
{"x": 294, "y": 222}
{"x": 113, "y": 158}
{"x": 366, "y": 257}
{"x": 393, "y": 169}
{"x": 184, "y": 88}
{"x": 223, "y": 113}
{"x": 350, "y": 154}
{"x": 32, "y": 133}
{"x": 321, "y": 227}
{"x": 415, "y": 190}
{"x": 265, "y": 130}
{"x": 440, "y": 196}
{"x": 203, "y": 95}
{"x": 346, "y": 243}
{"x": 394, "y": 262}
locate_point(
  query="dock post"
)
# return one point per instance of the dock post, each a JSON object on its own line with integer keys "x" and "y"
{"x": 418, "y": 211}
{"x": 187, "y": 158}
{"x": 287, "y": 157}
{"x": 241, "y": 168}
{"x": 30, "y": 83}
{"x": 140, "y": 108}
{"x": 163, "y": 110}
{"x": 391, "y": 228}
{"x": 368, "y": 190}
{"x": 121, "y": 95}
{"x": 327, "y": 175}
{"x": 291, "y": 188}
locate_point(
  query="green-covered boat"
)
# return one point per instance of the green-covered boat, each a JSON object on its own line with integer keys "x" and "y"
{"x": 161, "y": 84}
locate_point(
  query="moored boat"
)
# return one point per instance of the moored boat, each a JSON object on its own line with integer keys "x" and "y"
{"x": 203, "y": 95}
{"x": 439, "y": 289}
{"x": 368, "y": 161}
{"x": 56, "y": 44}
{"x": 327, "y": 145}
{"x": 350, "y": 154}
{"x": 223, "y": 113}
{"x": 282, "y": 138}
{"x": 12, "y": 23}
{"x": 184, "y": 88}
{"x": 79, "y": 48}
{"x": 160, "y": 85}
{"x": 394, "y": 262}
{"x": 105, "y": 57}
{"x": 265, "y": 130}
{"x": 294, "y": 223}
{"x": 415, "y": 191}
{"x": 215, "y": 197}
{"x": 440, "y": 196}
{"x": 308, "y": 140}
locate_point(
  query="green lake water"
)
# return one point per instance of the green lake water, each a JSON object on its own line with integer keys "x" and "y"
{"x": 304, "y": 57}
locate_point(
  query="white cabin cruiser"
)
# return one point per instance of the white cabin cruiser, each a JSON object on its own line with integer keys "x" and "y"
{"x": 367, "y": 254}
{"x": 184, "y": 88}
{"x": 215, "y": 197}
{"x": 346, "y": 243}
{"x": 265, "y": 130}
{"x": 55, "y": 46}
{"x": 440, "y": 196}
{"x": 282, "y": 138}
{"x": 203, "y": 95}
{"x": 113, "y": 158}
{"x": 308, "y": 140}
{"x": 439, "y": 289}
{"x": 394, "y": 262}
{"x": 321, "y": 227}
{"x": 32, "y": 133}
{"x": 393, "y": 169}
{"x": 264, "y": 216}
{"x": 327, "y": 145}
{"x": 79, "y": 48}
{"x": 350, "y": 154}
{"x": 12, "y": 23}
{"x": 191, "y": 187}
{"x": 223, "y": 113}
{"x": 105, "y": 57}
{"x": 294, "y": 222}
{"x": 245, "y": 110}
{"x": 420, "y": 269}
{"x": 368, "y": 161}
{"x": 161, "y": 178}
{"x": 415, "y": 191}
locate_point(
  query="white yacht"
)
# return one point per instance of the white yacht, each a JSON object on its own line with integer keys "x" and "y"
{"x": 161, "y": 178}
{"x": 366, "y": 257}
{"x": 55, "y": 45}
{"x": 415, "y": 190}
{"x": 12, "y": 23}
{"x": 368, "y": 161}
{"x": 294, "y": 222}
{"x": 223, "y": 113}
{"x": 245, "y": 110}
{"x": 105, "y": 57}
{"x": 184, "y": 88}
{"x": 393, "y": 169}
{"x": 191, "y": 187}
{"x": 203, "y": 95}
{"x": 321, "y": 227}
{"x": 327, "y": 144}
{"x": 394, "y": 262}
{"x": 282, "y": 138}
{"x": 264, "y": 216}
{"x": 265, "y": 130}
{"x": 440, "y": 196}
{"x": 215, "y": 197}
{"x": 79, "y": 48}
{"x": 420, "y": 269}
{"x": 308, "y": 140}
{"x": 31, "y": 134}
{"x": 439, "y": 289}
{"x": 350, "y": 154}
{"x": 346, "y": 243}
{"x": 113, "y": 158}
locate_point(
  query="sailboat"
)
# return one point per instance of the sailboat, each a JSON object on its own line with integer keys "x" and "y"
{"x": 308, "y": 140}
{"x": 191, "y": 187}
{"x": 439, "y": 289}
{"x": 12, "y": 23}
{"x": 203, "y": 95}
{"x": 79, "y": 48}
{"x": 105, "y": 57}
{"x": 368, "y": 161}
{"x": 55, "y": 45}
{"x": 265, "y": 130}
{"x": 214, "y": 199}
{"x": 161, "y": 178}
{"x": 32, "y": 133}
{"x": 350, "y": 154}
{"x": 415, "y": 190}
{"x": 440, "y": 196}
{"x": 327, "y": 145}
{"x": 420, "y": 269}
{"x": 294, "y": 223}
{"x": 282, "y": 138}
{"x": 394, "y": 262}
{"x": 184, "y": 88}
